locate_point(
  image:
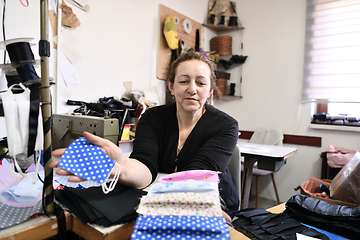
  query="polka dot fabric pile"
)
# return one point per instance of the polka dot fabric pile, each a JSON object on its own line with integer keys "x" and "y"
{"x": 87, "y": 161}
{"x": 180, "y": 213}
{"x": 180, "y": 227}
{"x": 10, "y": 216}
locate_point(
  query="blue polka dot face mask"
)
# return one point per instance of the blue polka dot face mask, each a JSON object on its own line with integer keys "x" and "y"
{"x": 89, "y": 162}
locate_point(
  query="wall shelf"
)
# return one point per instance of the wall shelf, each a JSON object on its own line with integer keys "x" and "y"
{"x": 222, "y": 28}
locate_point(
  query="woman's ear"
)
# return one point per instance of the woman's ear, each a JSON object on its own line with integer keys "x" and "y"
{"x": 170, "y": 87}
{"x": 211, "y": 92}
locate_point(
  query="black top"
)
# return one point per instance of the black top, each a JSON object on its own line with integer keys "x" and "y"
{"x": 209, "y": 146}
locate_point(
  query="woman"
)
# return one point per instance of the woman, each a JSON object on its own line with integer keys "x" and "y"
{"x": 185, "y": 135}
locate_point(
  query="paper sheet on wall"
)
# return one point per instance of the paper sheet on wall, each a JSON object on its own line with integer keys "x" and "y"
{"x": 68, "y": 46}
{"x": 68, "y": 71}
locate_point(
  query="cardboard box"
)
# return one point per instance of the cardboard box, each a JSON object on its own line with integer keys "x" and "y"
{"x": 346, "y": 184}
{"x": 311, "y": 186}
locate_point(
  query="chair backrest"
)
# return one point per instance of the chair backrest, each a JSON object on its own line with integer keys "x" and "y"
{"x": 268, "y": 135}
{"x": 235, "y": 170}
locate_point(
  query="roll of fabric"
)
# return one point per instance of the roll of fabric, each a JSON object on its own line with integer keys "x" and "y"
{"x": 222, "y": 45}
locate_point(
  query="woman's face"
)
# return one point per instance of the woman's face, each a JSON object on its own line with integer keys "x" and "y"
{"x": 192, "y": 85}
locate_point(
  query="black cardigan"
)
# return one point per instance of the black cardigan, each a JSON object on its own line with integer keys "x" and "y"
{"x": 209, "y": 146}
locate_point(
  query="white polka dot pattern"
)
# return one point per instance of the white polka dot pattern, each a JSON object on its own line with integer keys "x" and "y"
{"x": 87, "y": 161}
{"x": 180, "y": 227}
{"x": 10, "y": 216}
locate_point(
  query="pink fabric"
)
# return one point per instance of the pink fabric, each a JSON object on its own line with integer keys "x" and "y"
{"x": 25, "y": 193}
{"x": 338, "y": 157}
{"x": 32, "y": 168}
{"x": 198, "y": 175}
{"x": 8, "y": 177}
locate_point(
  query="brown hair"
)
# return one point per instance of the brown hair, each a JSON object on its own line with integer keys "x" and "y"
{"x": 187, "y": 56}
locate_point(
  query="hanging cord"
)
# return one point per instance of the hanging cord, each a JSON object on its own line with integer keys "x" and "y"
{"x": 106, "y": 189}
{"x": 27, "y": 3}
{"x": 3, "y": 29}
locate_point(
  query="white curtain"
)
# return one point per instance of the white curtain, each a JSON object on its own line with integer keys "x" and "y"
{"x": 332, "y": 51}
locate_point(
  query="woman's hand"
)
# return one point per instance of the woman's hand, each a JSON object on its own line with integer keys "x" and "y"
{"x": 226, "y": 216}
{"x": 109, "y": 148}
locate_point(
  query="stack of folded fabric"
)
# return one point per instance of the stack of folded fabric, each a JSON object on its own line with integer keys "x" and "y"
{"x": 20, "y": 196}
{"x": 91, "y": 205}
{"x": 93, "y": 201}
{"x": 180, "y": 206}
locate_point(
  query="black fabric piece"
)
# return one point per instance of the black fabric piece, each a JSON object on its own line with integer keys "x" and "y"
{"x": 288, "y": 227}
{"x": 272, "y": 237}
{"x": 253, "y": 228}
{"x": 27, "y": 72}
{"x": 261, "y": 218}
{"x": 13, "y": 79}
{"x": 250, "y": 212}
{"x": 241, "y": 221}
{"x": 235, "y": 59}
{"x": 341, "y": 220}
{"x": 33, "y": 117}
{"x": 61, "y": 219}
{"x": 19, "y": 52}
{"x": 91, "y": 205}
{"x": 108, "y": 204}
{"x": 257, "y": 223}
{"x": 277, "y": 219}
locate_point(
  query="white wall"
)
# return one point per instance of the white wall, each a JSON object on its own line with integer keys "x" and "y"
{"x": 119, "y": 42}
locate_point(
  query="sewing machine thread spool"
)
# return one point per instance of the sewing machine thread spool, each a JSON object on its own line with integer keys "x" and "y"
{"x": 212, "y": 18}
{"x": 233, "y": 21}
{"x": 232, "y": 89}
{"x": 222, "y": 20}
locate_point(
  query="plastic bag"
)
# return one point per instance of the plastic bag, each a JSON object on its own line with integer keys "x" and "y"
{"x": 346, "y": 184}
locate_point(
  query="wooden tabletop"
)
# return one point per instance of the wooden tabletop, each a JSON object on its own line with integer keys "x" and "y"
{"x": 44, "y": 227}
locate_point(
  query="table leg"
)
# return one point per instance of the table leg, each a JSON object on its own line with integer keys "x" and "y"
{"x": 246, "y": 183}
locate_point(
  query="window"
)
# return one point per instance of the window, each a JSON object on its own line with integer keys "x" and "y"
{"x": 332, "y": 56}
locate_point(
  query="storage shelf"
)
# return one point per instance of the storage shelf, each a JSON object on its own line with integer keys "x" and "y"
{"x": 222, "y": 28}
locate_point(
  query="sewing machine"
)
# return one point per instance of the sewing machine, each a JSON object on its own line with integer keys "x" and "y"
{"x": 67, "y": 128}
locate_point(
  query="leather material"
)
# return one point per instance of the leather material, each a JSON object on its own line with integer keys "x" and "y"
{"x": 341, "y": 220}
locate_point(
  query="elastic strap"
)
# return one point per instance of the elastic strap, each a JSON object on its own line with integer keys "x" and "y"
{"x": 37, "y": 163}
{"x": 33, "y": 117}
{"x": 18, "y": 168}
{"x": 106, "y": 189}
